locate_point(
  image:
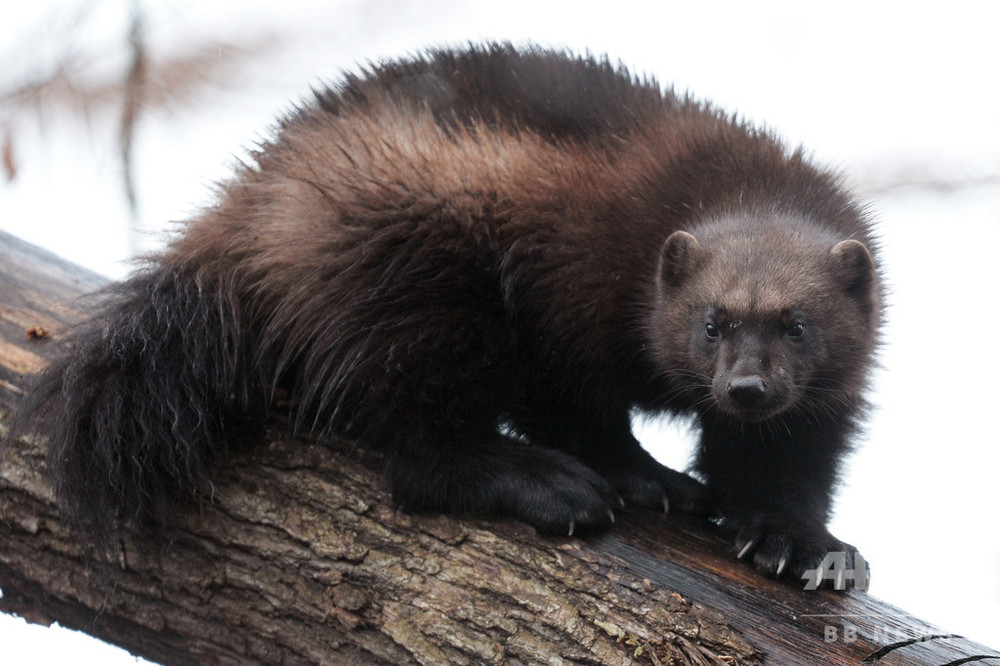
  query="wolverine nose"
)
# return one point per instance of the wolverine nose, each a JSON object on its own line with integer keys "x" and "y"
{"x": 748, "y": 391}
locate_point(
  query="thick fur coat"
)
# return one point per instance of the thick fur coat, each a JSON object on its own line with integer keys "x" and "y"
{"x": 480, "y": 263}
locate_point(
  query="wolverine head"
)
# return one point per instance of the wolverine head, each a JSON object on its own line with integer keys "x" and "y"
{"x": 764, "y": 316}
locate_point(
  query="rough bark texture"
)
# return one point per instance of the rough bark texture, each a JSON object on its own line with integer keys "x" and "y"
{"x": 296, "y": 555}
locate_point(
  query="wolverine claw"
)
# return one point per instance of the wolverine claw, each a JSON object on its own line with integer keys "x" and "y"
{"x": 819, "y": 577}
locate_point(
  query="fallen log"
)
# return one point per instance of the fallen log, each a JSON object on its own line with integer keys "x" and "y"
{"x": 296, "y": 555}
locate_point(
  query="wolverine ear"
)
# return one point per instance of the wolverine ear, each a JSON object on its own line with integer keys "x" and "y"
{"x": 856, "y": 267}
{"x": 678, "y": 257}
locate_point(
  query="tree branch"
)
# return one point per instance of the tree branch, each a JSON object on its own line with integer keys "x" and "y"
{"x": 295, "y": 554}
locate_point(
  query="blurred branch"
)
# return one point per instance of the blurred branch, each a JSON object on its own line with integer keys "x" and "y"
{"x": 921, "y": 177}
{"x": 132, "y": 103}
{"x": 168, "y": 80}
{"x": 78, "y": 80}
{"x": 166, "y": 83}
{"x": 9, "y": 160}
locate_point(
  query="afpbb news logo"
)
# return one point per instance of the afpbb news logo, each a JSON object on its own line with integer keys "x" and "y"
{"x": 838, "y": 568}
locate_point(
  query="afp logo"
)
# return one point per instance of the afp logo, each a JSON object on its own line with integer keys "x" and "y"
{"x": 838, "y": 568}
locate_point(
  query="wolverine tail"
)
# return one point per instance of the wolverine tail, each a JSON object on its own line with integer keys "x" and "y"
{"x": 135, "y": 409}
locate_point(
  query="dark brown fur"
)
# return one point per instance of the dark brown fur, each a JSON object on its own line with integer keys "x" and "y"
{"x": 468, "y": 261}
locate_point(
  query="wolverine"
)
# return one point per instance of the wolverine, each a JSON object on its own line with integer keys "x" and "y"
{"x": 481, "y": 263}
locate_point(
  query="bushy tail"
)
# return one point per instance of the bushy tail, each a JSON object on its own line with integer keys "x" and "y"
{"x": 135, "y": 409}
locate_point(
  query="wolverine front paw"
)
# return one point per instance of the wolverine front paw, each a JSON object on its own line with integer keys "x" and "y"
{"x": 648, "y": 484}
{"x": 554, "y": 492}
{"x": 812, "y": 555}
{"x": 549, "y": 489}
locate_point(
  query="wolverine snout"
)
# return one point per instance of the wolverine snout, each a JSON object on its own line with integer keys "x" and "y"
{"x": 749, "y": 391}
{"x": 752, "y": 397}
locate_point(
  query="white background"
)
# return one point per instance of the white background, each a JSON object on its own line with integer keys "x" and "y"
{"x": 888, "y": 92}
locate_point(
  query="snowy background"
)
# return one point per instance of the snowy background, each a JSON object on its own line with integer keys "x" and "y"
{"x": 901, "y": 97}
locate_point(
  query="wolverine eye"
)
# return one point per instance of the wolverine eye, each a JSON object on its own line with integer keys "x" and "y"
{"x": 712, "y": 332}
{"x": 796, "y": 331}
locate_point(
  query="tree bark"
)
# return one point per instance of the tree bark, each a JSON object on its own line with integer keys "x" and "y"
{"x": 295, "y": 554}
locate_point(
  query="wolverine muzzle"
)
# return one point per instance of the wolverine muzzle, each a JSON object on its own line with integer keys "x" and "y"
{"x": 749, "y": 391}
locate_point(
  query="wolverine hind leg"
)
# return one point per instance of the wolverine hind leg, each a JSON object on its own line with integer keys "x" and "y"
{"x": 499, "y": 476}
{"x": 422, "y": 369}
{"x": 429, "y": 392}
{"x": 602, "y": 438}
